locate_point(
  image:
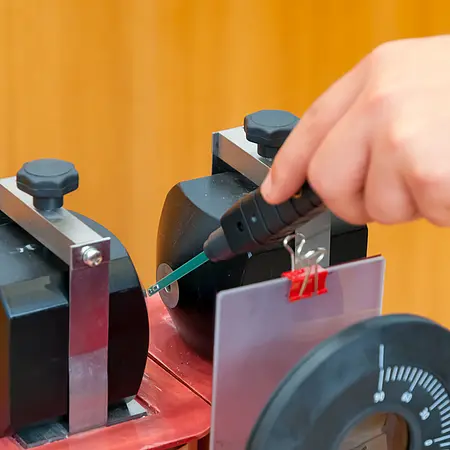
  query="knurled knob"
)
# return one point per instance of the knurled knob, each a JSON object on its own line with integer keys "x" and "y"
{"x": 47, "y": 181}
{"x": 269, "y": 129}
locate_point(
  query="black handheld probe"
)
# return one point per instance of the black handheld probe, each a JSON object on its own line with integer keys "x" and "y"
{"x": 249, "y": 225}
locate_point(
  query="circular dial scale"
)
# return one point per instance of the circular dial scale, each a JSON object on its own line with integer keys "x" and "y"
{"x": 393, "y": 364}
{"x": 422, "y": 392}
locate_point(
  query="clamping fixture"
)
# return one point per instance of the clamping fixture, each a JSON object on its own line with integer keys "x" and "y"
{"x": 34, "y": 200}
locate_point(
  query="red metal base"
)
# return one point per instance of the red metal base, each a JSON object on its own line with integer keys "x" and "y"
{"x": 170, "y": 351}
{"x": 175, "y": 390}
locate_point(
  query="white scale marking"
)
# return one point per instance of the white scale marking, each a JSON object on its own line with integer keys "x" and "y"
{"x": 438, "y": 440}
{"x": 428, "y": 381}
{"x": 430, "y": 442}
{"x": 444, "y": 405}
{"x": 381, "y": 366}
{"x": 388, "y": 374}
{"x": 407, "y": 372}
{"x": 413, "y": 374}
{"x": 431, "y": 386}
{"x": 423, "y": 378}
{"x": 433, "y": 392}
{"x": 437, "y": 403}
{"x": 439, "y": 393}
{"x": 394, "y": 373}
{"x": 414, "y": 383}
{"x": 380, "y": 395}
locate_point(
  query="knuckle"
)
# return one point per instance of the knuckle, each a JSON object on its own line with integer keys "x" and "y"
{"x": 399, "y": 139}
{"x": 377, "y": 100}
{"x": 438, "y": 221}
{"x": 382, "y": 94}
{"x": 382, "y": 99}
{"x": 374, "y": 208}
{"x": 389, "y": 203}
{"x": 429, "y": 181}
{"x": 428, "y": 176}
{"x": 438, "y": 216}
{"x": 376, "y": 213}
{"x": 441, "y": 222}
{"x": 384, "y": 215}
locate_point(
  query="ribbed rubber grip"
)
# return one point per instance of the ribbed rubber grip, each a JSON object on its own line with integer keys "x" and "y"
{"x": 253, "y": 223}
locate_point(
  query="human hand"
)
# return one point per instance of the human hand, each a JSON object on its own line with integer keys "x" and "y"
{"x": 376, "y": 145}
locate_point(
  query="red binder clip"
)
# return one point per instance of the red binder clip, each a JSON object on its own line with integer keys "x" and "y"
{"x": 309, "y": 279}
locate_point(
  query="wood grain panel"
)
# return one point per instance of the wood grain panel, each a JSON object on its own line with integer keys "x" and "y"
{"x": 5, "y": 105}
{"x": 131, "y": 90}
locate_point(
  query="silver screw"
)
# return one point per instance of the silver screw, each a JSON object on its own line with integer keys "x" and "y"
{"x": 91, "y": 256}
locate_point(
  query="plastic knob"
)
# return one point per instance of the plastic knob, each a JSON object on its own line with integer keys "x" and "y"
{"x": 269, "y": 129}
{"x": 47, "y": 181}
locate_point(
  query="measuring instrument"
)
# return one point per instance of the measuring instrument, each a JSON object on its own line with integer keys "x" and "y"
{"x": 347, "y": 364}
{"x": 391, "y": 364}
{"x": 249, "y": 225}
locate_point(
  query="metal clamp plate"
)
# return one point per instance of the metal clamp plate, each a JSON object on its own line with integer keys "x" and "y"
{"x": 87, "y": 254}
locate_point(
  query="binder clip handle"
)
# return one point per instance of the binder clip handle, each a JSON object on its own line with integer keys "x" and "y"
{"x": 307, "y": 277}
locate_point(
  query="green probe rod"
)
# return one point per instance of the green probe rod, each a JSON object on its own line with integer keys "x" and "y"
{"x": 187, "y": 267}
{"x": 241, "y": 231}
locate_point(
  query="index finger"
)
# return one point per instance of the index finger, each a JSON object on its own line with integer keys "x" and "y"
{"x": 289, "y": 168}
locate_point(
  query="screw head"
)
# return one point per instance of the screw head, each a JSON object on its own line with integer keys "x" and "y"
{"x": 92, "y": 257}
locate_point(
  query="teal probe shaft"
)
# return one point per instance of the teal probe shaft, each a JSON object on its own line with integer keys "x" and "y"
{"x": 187, "y": 267}
{"x": 250, "y": 224}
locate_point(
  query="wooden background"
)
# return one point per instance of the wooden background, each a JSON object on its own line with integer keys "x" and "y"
{"x": 131, "y": 90}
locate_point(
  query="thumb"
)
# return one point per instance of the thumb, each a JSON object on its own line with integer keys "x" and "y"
{"x": 290, "y": 166}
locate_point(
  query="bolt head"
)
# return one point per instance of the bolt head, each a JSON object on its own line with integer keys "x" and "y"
{"x": 92, "y": 257}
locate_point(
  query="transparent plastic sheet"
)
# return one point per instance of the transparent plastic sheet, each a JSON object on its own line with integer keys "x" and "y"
{"x": 260, "y": 336}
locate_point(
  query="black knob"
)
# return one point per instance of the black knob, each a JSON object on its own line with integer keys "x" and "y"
{"x": 47, "y": 181}
{"x": 269, "y": 129}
